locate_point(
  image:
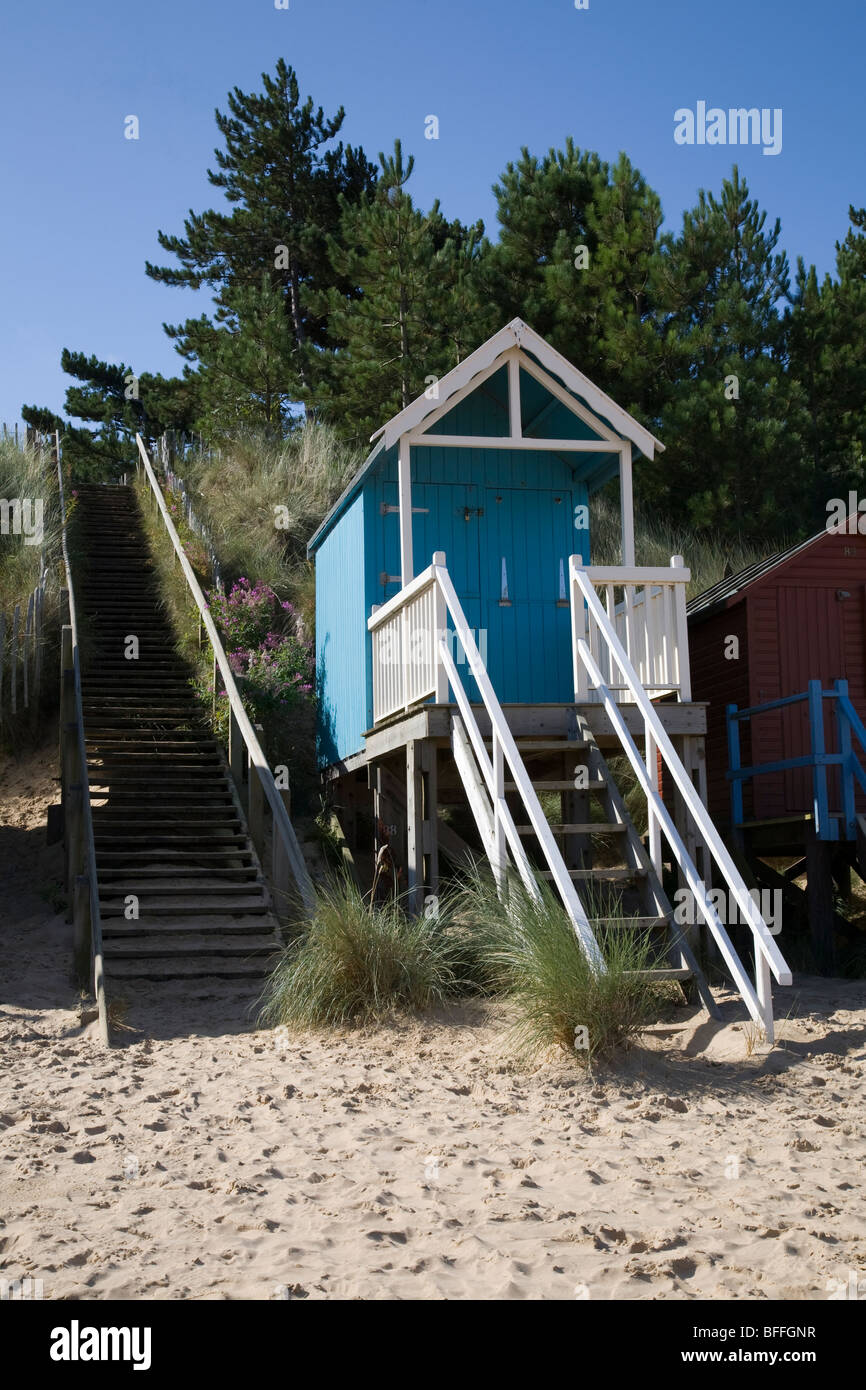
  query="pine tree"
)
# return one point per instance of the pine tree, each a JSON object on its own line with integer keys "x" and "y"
{"x": 116, "y": 404}
{"x": 417, "y": 311}
{"x": 826, "y": 336}
{"x": 732, "y": 419}
{"x": 577, "y": 245}
{"x": 243, "y": 362}
{"x": 283, "y": 177}
{"x": 543, "y": 208}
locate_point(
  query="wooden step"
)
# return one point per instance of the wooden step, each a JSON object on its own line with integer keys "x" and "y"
{"x": 545, "y": 745}
{"x": 625, "y": 922}
{"x": 194, "y": 968}
{"x": 192, "y": 876}
{"x": 565, "y": 785}
{"x": 661, "y": 973}
{"x": 599, "y": 875}
{"x": 175, "y": 907}
{"x": 589, "y": 827}
{"x": 176, "y": 884}
{"x": 159, "y": 929}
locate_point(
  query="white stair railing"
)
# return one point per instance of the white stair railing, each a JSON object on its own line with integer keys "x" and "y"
{"x": 586, "y": 605}
{"x": 412, "y": 660}
{"x": 650, "y": 622}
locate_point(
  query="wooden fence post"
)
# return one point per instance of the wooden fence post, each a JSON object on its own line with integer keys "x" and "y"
{"x": 37, "y": 646}
{"x": 13, "y": 658}
{"x": 67, "y": 700}
{"x": 236, "y": 752}
{"x": 81, "y": 929}
{"x": 256, "y": 802}
{"x": 25, "y": 648}
{"x": 279, "y": 873}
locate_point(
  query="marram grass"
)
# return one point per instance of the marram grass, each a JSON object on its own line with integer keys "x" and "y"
{"x": 528, "y": 951}
{"x": 358, "y": 963}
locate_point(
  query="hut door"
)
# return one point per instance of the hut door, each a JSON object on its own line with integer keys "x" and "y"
{"x": 526, "y": 539}
{"x": 445, "y": 517}
{"x": 810, "y": 648}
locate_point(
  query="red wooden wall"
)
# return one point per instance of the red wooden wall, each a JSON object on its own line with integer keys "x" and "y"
{"x": 794, "y": 624}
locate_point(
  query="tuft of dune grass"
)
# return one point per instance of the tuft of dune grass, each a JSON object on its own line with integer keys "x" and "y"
{"x": 526, "y": 949}
{"x": 357, "y": 963}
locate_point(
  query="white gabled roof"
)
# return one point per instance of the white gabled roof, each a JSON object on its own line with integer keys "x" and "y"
{"x": 487, "y": 359}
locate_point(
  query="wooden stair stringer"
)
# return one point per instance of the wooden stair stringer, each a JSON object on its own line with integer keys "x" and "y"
{"x": 655, "y": 898}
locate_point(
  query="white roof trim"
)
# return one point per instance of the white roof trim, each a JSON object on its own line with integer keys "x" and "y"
{"x": 484, "y": 361}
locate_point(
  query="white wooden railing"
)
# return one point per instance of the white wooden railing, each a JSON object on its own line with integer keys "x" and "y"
{"x": 650, "y": 622}
{"x": 286, "y": 855}
{"x": 768, "y": 957}
{"x": 404, "y": 646}
{"x": 415, "y": 622}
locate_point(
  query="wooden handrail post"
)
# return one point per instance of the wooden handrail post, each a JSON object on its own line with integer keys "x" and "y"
{"x": 279, "y": 873}
{"x": 734, "y": 764}
{"x": 440, "y": 629}
{"x": 846, "y": 771}
{"x": 684, "y": 678}
{"x": 82, "y": 944}
{"x": 236, "y": 751}
{"x": 820, "y": 802}
{"x": 216, "y": 673}
{"x": 67, "y": 699}
{"x": 256, "y": 802}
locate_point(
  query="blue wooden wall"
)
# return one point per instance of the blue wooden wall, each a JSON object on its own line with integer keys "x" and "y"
{"x": 342, "y": 667}
{"x": 479, "y": 506}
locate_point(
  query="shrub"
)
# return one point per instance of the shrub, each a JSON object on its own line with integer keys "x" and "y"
{"x": 357, "y": 962}
{"x": 263, "y": 646}
{"x": 528, "y": 950}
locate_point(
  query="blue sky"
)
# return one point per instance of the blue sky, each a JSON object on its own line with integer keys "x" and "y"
{"x": 81, "y": 205}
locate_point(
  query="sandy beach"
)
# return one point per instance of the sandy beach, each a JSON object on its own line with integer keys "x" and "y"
{"x": 202, "y": 1159}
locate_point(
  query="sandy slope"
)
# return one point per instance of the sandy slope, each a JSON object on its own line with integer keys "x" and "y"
{"x": 200, "y": 1159}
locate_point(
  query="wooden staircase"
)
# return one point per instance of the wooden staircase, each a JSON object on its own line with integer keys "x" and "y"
{"x": 181, "y": 892}
{"x": 623, "y": 895}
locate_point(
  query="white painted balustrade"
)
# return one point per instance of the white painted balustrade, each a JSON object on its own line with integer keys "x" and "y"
{"x": 647, "y": 608}
{"x": 404, "y": 632}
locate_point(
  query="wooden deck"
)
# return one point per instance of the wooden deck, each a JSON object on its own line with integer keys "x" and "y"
{"x": 433, "y": 721}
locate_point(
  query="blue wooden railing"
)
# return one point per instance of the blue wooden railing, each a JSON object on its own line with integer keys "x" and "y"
{"x": 829, "y": 825}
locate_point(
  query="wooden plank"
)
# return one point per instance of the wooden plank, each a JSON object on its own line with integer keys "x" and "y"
{"x": 37, "y": 668}
{"x": 506, "y": 441}
{"x": 404, "y": 482}
{"x": 13, "y": 660}
{"x": 348, "y": 859}
{"x": 414, "y": 827}
{"x": 819, "y": 892}
{"x": 25, "y": 653}
{"x": 430, "y": 770}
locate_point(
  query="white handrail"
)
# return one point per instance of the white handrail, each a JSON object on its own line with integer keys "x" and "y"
{"x": 282, "y": 824}
{"x": 768, "y": 957}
